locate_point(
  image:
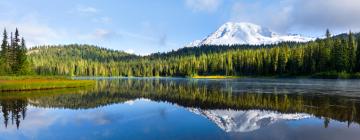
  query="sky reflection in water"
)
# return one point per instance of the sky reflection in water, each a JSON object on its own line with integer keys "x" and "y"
{"x": 165, "y": 109}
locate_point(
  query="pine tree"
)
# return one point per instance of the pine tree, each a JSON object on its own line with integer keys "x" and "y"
{"x": 4, "y": 55}
{"x": 4, "y": 45}
{"x": 11, "y": 54}
{"x": 351, "y": 52}
{"x": 328, "y": 34}
{"x": 16, "y": 52}
{"x": 357, "y": 61}
{"x": 282, "y": 61}
{"x": 23, "y": 67}
{"x": 338, "y": 56}
{"x": 324, "y": 57}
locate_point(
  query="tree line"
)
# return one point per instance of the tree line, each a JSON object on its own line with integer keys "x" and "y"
{"x": 331, "y": 55}
{"x": 13, "y": 57}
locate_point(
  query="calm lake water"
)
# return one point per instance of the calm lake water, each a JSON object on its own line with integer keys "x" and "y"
{"x": 177, "y": 108}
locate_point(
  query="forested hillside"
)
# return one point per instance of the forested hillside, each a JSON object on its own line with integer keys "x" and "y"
{"x": 76, "y": 59}
{"x": 337, "y": 54}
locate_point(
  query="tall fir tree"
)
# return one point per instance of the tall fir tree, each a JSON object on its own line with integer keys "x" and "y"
{"x": 337, "y": 54}
{"x": 328, "y": 34}
{"x": 351, "y": 52}
{"x": 11, "y": 52}
{"x": 13, "y": 55}
{"x": 357, "y": 61}
{"x": 4, "y": 55}
{"x": 4, "y": 45}
{"x": 16, "y": 51}
{"x": 23, "y": 67}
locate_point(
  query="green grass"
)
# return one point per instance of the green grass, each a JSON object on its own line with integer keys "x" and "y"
{"x": 336, "y": 75}
{"x": 214, "y": 77}
{"x": 34, "y": 77}
{"x": 26, "y": 83}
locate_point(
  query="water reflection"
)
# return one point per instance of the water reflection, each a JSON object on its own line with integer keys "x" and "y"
{"x": 246, "y": 121}
{"x": 235, "y": 106}
{"x": 13, "y": 110}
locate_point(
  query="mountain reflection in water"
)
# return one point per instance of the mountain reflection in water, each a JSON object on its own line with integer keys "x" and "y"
{"x": 242, "y": 105}
{"x": 245, "y": 121}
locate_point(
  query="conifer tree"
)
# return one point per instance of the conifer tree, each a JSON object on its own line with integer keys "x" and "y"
{"x": 23, "y": 67}
{"x": 351, "y": 52}
{"x": 357, "y": 61}
{"x": 328, "y": 34}
{"x": 13, "y": 55}
{"x": 338, "y": 56}
{"x": 4, "y": 46}
{"x": 4, "y": 55}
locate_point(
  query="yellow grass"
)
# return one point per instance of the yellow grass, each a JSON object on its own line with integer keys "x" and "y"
{"x": 43, "y": 83}
{"x": 214, "y": 77}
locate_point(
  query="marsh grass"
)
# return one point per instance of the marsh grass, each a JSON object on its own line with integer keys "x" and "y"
{"x": 25, "y": 83}
{"x": 214, "y": 77}
{"x": 336, "y": 75}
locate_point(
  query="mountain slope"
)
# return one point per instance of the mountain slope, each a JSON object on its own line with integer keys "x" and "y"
{"x": 80, "y": 60}
{"x": 246, "y": 33}
{"x": 76, "y": 52}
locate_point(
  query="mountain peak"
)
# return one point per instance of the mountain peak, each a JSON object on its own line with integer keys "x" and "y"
{"x": 232, "y": 33}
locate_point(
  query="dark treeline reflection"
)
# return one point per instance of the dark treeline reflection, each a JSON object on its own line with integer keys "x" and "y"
{"x": 202, "y": 94}
{"x": 14, "y": 110}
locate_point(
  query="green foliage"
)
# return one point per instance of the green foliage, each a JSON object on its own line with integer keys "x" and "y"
{"x": 13, "y": 56}
{"x": 337, "y": 53}
{"x": 79, "y": 60}
{"x": 41, "y": 84}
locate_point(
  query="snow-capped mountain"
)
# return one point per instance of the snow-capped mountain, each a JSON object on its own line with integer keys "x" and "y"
{"x": 245, "y": 33}
{"x": 245, "y": 121}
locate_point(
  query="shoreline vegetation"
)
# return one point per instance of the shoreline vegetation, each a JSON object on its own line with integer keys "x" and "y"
{"x": 53, "y": 67}
{"x": 322, "y": 75}
{"x": 30, "y": 83}
{"x": 213, "y": 77}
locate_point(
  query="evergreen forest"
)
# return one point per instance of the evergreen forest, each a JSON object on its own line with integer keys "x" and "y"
{"x": 331, "y": 55}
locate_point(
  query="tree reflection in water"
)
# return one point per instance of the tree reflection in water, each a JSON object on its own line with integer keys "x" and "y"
{"x": 200, "y": 94}
{"x": 13, "y": 110}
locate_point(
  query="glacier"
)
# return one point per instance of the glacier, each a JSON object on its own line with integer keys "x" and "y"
{"x": 232, "y": 33}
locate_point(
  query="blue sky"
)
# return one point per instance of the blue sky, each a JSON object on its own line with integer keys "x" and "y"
{"x": 148, "y": 26}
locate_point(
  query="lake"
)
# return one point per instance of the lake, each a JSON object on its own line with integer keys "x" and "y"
{"x": 180, "y": 108}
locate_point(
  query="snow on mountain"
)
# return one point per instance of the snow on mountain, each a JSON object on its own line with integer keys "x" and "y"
{"x": 245, "y": 121}
{"x": 245, "y": 33}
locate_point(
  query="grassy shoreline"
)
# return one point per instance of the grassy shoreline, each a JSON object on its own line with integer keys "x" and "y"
{"x": 214, "y": 77}
{"x": 322, "y": 75}
{"x": 28, "y": 83}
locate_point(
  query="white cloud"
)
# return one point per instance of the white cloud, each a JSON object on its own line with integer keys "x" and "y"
{"x": 327, "y": 13}
{"x": 33, "y": 124}
{"x": 98, "y": 35}
{"x": 102, "y": 34}
{"x": 130, "y": 51}
{"x": 86, "y": 9}
{"x": 203, "y": 5}
{"x": 274, "y": 16}
{"x": 34, "y": 32}
{"x": 103, "y": 20}
{"x": 301, "y": 15}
